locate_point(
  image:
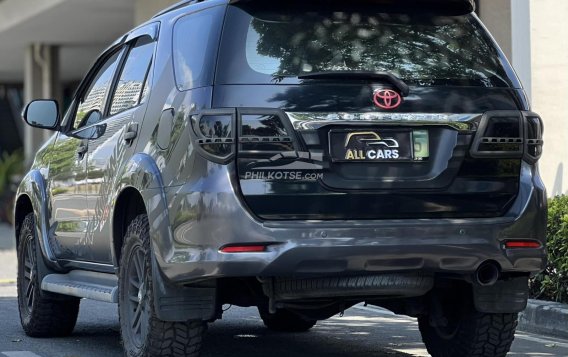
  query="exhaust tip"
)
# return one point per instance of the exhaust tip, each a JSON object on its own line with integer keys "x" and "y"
{"x": 487, "y": 274}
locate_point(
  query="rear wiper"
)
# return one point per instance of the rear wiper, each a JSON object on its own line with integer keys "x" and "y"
{"x": 383, "y": 76}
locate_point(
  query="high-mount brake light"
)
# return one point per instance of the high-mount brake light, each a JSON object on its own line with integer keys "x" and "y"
{"x": 213, "y": 132}
{"x": 509, "y": 135}
{"x": 522, "y": 244}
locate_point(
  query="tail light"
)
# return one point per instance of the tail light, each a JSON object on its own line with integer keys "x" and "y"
{"x": 534, "y": 129}
{"x": 510, "y": 135}
{"x": 264, "y": 131}
{"x": 214, "y": 133}
{"x": 258, "y": 131}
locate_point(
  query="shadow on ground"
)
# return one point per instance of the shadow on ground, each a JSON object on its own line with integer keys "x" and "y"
{"x": 240, "y": 334}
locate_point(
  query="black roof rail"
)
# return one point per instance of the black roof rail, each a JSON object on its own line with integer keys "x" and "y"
{"x": 461, "y": 5}
{"x": 179, "y": 5}
{"x": 464, "y": 5}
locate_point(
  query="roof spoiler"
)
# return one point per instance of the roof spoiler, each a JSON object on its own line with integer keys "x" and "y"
{"x": 462, "y": 6}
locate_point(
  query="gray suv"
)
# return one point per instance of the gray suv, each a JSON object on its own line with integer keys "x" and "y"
{"x": 300, "y": 157}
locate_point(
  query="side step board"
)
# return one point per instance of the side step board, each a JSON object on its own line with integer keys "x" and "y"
{"x": 83, "y": 284}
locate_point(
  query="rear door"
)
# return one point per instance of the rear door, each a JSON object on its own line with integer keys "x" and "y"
{"x": 114, "y": 136}
{"x": 327, "y": 131}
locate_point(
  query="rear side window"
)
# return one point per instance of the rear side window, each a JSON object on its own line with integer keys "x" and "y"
{"x": 133, "y": 77}
{"x": 421, "y": 48}
{"x": 195, "y": 43}
{"x": 93, "y": 100}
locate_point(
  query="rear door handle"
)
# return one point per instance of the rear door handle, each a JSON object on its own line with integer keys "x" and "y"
{"x": 81, "y": 151}
{"x": 131, "y": 133}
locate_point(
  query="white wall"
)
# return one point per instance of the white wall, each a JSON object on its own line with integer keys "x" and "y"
{"x": 549, "y": 59}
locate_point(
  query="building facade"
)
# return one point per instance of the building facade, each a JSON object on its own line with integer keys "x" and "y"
{"x": 47, "y": 45}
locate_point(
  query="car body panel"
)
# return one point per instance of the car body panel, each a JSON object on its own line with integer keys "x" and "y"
{"x": 143, "y": 174}
{"x": 441, "y": 245}
{"x": 108, "y": 151}
{"x": 68, "y": 197}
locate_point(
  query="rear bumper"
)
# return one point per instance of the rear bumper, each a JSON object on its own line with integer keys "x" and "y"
{"x": 308, "y": 248}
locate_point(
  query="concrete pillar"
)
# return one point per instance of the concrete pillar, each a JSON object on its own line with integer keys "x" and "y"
{"x": 41, "y": 81}
{"x": 145, "y": 9}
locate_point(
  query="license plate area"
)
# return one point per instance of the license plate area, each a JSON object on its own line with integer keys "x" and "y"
{"x": 378, "y": 145}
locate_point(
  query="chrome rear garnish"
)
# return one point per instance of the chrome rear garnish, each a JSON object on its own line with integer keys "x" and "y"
{"x": 311, "y": 121}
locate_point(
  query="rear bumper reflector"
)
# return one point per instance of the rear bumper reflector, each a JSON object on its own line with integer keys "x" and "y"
{"x": 527, "y": 244}
{"x": 244, "y": 249}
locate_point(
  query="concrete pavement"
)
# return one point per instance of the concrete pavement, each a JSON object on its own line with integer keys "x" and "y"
{"x": 362, "y": 332}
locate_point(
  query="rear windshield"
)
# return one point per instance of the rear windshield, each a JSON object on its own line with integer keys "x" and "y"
{"x": 261, "y": 46}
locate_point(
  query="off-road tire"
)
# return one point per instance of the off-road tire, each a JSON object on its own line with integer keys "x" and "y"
{"x": 477, "y": 335}
{"x": 158, "y": 338}
{"x": 285, "y": 321}
{"x": 42, "y": 314}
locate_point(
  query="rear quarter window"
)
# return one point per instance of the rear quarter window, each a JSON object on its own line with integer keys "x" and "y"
{"x": 195, "y": 43}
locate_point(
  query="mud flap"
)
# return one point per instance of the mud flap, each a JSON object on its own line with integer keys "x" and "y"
{"x": 506, "y": 296}
{"x": 176, "y": 303}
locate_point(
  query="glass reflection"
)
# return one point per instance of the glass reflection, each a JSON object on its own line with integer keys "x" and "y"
{"x": 419, "y": 48}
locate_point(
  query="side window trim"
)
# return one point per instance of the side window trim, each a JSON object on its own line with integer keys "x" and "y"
{"x": 152, "y": 30}
{"x": 147, "y": 77}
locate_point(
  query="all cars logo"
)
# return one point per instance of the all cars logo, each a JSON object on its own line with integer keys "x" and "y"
{"x": 387, "y": 99}
{"x": 369, "y": 145}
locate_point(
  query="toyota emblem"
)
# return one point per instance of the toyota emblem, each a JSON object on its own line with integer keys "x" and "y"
{"x": 387, "y": 99}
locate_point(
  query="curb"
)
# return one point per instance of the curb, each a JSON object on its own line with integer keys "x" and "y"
{"x": 543, "y": 317}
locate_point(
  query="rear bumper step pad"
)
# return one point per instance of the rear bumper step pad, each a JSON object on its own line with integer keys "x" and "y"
{"x": 283, "y": 289}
